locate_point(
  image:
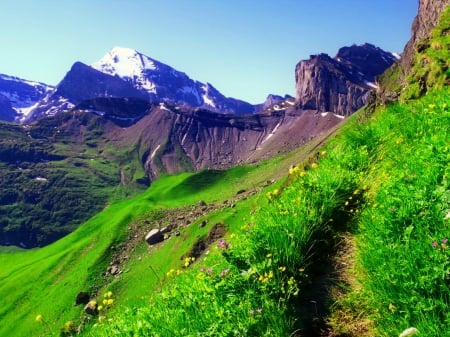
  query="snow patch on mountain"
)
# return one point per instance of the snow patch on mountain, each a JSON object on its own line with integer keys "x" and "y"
{"x": 130, "y": 65}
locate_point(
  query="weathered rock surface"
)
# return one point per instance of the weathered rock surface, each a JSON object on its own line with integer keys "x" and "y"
{"x": 340, "y": 84}
{"x": 154, "y": 236}
{"x": 425, "y": 21}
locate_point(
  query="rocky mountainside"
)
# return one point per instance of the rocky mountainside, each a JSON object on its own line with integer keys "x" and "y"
{"x": 163, "y": 83}
{"x": 18, "y": 96}
{"x": 124, "y": 72}
{"x": 81, "y": 83}
{"x": 340, "y": 84}
{"x": 7, "y": 113}
{"x": 173, "y": 140}
{"x": 425, "y": 20}
{"x": 421, "y": 62}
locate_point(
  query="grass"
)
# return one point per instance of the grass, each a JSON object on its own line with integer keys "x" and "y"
{"x": 384, "y": 179}
{"x": 382, "y": 182}
{"x": 45, "y": 281}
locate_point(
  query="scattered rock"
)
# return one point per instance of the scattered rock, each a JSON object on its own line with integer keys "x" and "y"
{"x": 201, "y": 203}
{"x": 113, "y": 270}
{"x": 202, "y": 224}
{"x": 154, "y": 236}
{"x": 82, "y": 298}
{"x": 91, "y": 308}
{"x": 166, "y": 229}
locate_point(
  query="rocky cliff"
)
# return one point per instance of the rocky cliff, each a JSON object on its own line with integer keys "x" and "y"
{"x": 426, "y": 19}
{"x": 340, "y": 84}
{"x": 423, "y": 61}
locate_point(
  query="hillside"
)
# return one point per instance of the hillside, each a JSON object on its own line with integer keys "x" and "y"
{"x": 345, "y": 235}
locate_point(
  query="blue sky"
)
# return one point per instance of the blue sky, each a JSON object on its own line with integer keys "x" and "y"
{"x": 245, "y": 48}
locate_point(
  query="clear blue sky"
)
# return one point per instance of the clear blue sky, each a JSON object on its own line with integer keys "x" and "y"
{"x": 245, "y": 48}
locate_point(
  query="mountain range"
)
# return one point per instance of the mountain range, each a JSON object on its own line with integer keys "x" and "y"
{"x": 124, "y": 72}
{"x": 128, "y": 119}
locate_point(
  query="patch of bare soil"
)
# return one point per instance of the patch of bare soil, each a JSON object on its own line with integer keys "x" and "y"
{"x": 343, "y": 320}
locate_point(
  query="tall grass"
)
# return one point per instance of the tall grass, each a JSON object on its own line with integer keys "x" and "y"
{"x": 384, "y": 179}
{"x": 404, "y": 226}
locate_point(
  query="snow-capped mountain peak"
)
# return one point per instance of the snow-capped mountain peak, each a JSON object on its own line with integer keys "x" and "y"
{"x": 161, "y": 82}
{"x": 128, "y": 64}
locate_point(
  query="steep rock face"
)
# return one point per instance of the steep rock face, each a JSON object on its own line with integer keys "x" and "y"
{"x": 426, "y": 19}
{"x": 7, "y": 113}
{"x": 340, "y": 84}
{"x": 394, "y": 82}
{"x": 173, "y": 139}
{"x": 21, "y": 94}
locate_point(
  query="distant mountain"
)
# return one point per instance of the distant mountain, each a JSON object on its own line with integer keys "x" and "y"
{"x": 163, "y": 83}
{"x": 18, "y": 96}
{"x": 82, "y": 83}
{"x": 340, "y": 84}
{"x": 271, "y": 100}
{"x": 124, "y": 72}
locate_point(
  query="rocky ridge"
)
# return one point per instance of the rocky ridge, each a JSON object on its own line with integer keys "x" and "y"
{"x": 340, "y": 84}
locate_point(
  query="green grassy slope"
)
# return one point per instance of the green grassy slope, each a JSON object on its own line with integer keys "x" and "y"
{"x": 384, "y": 180}
{"x": 46, "y": 281}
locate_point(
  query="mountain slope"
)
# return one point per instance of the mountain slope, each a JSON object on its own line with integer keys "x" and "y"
{"x": 19, "y": 96}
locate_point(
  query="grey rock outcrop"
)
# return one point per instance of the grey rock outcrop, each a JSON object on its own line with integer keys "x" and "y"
{"x": 340, "y": 84}
{"x": 154, "y": 236}
{"x": 425, "y": 21}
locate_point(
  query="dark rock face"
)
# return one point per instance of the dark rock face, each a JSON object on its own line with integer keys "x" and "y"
{"x": 340, "y": 84}
{"x": 17, "y": 95}
{"x": 7, "y": 113}
{"x": 82, "y": 83}
{"x": 425, "y": 21}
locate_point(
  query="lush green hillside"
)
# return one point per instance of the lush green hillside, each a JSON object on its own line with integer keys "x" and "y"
{"x": 45, "y": 281}
{"x": 57, "y": 173}
{"x": 382, "y": 185}
{"x": 352, "y": 242}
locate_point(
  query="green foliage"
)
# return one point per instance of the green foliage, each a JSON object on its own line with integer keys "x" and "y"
{"x": 431, "y": 68}
{"x": 384, "y": 178}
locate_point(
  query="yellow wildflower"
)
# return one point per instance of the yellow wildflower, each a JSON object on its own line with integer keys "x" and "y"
{"x": 38, "y": 318}
{"x": 391, "y": 307}
{"x": 282, "y": 268}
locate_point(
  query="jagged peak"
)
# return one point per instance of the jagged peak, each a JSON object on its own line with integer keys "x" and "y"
{"x": 124, "y": 62}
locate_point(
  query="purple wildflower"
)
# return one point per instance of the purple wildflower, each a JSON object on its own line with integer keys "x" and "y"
{"x": 202, "y": 269}
{"x": 222, "y": 244}
{"x": 444, "y": 240}
{"x": 434, "y": 244}
{"x": 223, "y": 273}
{"x": 209, "y": 271}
